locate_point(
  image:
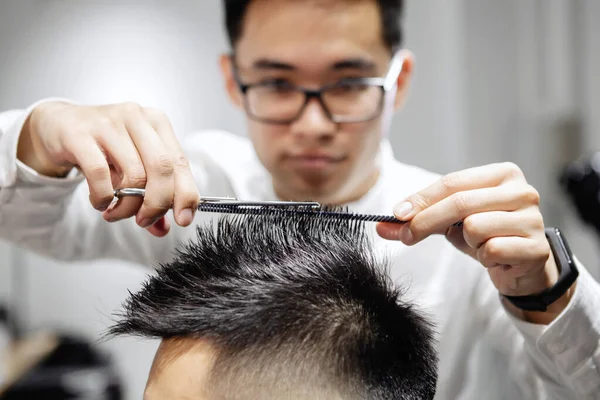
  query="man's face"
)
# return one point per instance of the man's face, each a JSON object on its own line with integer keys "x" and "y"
{"x": 310, "y": 44}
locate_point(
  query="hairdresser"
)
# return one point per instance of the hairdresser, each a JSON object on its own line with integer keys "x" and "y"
{"x": 318, "y": 84}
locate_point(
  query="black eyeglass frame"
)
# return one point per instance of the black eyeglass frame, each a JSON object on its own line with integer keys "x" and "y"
{"x": 384, "y": 83}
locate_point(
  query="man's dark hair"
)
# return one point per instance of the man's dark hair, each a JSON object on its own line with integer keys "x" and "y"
{"x": 292, "y": 304}
{"x": 391, "y": 25}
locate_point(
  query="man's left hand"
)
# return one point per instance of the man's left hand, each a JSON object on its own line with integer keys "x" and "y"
{"x": 502, "y": 225}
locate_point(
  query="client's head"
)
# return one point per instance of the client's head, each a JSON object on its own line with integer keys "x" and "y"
{"x": 279, "y": 307}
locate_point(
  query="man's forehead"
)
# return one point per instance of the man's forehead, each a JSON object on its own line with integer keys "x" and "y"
{"x": 297, "y": 32}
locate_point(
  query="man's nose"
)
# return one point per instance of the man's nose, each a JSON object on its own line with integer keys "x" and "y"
{"x": 314, "y": 121}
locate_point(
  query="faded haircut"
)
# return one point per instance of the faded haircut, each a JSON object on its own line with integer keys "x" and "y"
{"x": 293, "y": 305}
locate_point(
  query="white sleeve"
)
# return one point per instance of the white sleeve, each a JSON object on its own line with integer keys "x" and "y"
{"x": 53, "y": 216}
{"x": 566, "y": 353}
{"x": 554, "y": 362}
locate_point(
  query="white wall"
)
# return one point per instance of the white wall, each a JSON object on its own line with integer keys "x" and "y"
{"x": 470, "y": 104}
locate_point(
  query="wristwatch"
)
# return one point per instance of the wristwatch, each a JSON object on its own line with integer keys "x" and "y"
{"x": 568, "y": 275}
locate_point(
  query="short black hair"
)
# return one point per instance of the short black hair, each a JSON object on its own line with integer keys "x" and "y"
{"x": 391, "y": 20}
{"x": 303, "y": 298}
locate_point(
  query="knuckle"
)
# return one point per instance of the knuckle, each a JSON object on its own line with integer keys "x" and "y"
{"x": 484, "y": 259}
{"x": 155, "y": 207}
{"x": 190, "y": 198}
{"x": 419, "y": 201}
{"x": 451, "y": 181}
{"x": 100, "y": 200}
{"x": 155, "y": 115}
{"x": 492, "y": 250}
{"x": 472, "y": 227}
{"x": 163, "y": 165}
{"x": 136, "y": 176}
{"x": 538, "y": 222}
{"x": 512, "y": 169}
{"x": 181, "y": 161}
{"x": 462, "y": 203}
{"x": 130, "y": 107}
{"x": 101, "y": 128}
{"x": 531, "y": 195}
{"x": 97, "y": 172}
{"x": 544, "y": 252}
{"x": 104, "y": 123}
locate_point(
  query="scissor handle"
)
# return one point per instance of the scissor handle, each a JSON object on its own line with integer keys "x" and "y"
{"x": 138, "y": 192}
{"x": 130, "y": 192}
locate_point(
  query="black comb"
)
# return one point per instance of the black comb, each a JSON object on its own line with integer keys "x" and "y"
{"x": 231, "y": 205}
{"x": 322, "y": 212}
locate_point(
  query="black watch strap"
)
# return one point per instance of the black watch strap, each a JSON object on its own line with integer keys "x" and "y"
{"x": 568, "y": 275}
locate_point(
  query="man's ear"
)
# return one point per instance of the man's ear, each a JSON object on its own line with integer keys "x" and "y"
{"x": 226, "y": 65}
{"x": 405, "y": 78}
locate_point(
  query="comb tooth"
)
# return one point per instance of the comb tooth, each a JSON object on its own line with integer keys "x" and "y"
{"x": 324, "y": 213}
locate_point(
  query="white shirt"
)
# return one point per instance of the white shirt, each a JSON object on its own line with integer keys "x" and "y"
{"x": 485, "y": 352}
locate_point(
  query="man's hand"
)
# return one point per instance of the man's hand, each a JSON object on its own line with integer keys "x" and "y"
{"x": 121, "y": 145}
{"x": 502, "y": 225}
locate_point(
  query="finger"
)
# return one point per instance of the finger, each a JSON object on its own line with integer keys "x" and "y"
{"x": 93, "y": 164}
{"x": 479, "y": 228}
{"x": 469, "y": 179}
{"x": 454, "y": 234}
{"x": 160, "y": 228}
{"x": 158, "y": 164}
{"x": 389, "y": 230}
{"x": 438, "y": 217}
{"x": 520, "y": 253}
{"x": 124, "y": 158}
{"x": 186, "y": 196}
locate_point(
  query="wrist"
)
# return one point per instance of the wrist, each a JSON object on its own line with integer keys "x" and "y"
{"x": 556, "y": 282}
{"x": 554, "y": 309}
{"x": 30, "y": 149}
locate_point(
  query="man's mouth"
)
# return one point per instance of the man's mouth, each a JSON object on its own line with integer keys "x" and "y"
{"x": 315, "y": 160}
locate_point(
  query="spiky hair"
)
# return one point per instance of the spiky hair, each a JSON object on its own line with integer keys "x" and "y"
{"x": 290, "y": 301}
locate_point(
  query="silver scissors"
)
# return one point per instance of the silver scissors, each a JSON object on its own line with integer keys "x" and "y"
{"x": 233, "y": 201}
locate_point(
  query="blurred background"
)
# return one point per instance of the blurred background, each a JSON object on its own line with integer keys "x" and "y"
{"x": 503, "y": 80}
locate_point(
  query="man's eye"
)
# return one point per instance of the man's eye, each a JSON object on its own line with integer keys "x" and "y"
{"x": 278, "y": 84}
{"x": 351, "y": 86}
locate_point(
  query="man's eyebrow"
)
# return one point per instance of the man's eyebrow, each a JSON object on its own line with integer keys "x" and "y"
{"x": 350, "y": 63}
{"x": 355, "y": 63}
{"x": 266, "y": 63}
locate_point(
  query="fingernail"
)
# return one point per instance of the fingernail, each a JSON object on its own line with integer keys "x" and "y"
{"x": 146, "y": 222}
{"x": 405, "y": 235}
{"x": 111, "y": 206}
{"x": 186, "y": 216}
{"x": 401, "y": 210}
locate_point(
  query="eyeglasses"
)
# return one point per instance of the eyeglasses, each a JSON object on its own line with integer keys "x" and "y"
{"x": 345, "y": 101}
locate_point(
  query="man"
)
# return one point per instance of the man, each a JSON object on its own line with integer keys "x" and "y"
{"x": 279, "y": 307}
{"x": 303, "y": 72}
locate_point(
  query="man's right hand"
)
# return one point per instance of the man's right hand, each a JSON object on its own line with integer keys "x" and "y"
{"x": 114, "y": 146}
